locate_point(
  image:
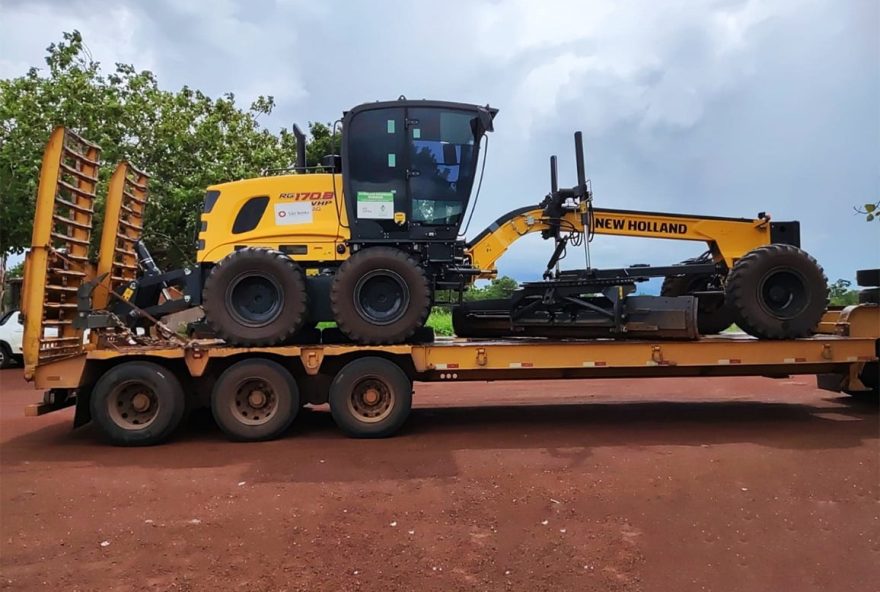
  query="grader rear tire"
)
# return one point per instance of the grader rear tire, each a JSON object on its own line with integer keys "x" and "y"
{"x": 380, "y": 295}
{"x": 777, "y": 292}
{"x": 255, "y": 297}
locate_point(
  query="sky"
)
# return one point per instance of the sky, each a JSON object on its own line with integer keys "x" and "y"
{"x": 717, "y": 107}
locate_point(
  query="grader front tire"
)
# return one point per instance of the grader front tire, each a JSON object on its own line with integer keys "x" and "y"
{"x": 777, "y": 291}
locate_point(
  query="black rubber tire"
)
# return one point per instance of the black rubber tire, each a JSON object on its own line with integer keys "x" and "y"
{"x": 229, "y": 405}
{"x": 165, "y": 392}
{"x": 279, "y": 277}
{"x": 756, "y": 279}
{"x": 869, "y": 296}
{"x": 868, "y": 278}
{"x": 712, "y": 318}
{"x": 6, "y": 359}
{"x": 392, "y": 265}
{"x": 346, "y": 397}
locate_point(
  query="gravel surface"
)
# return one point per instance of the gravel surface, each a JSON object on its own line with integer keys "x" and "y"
{"x": 653, "y": 484}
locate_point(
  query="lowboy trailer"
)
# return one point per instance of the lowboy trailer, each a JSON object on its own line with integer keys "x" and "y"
{"x": 137, "y": 385}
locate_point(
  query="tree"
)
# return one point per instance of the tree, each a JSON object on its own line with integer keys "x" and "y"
{"x": 185, "y": 140}
{"x": 498, "y": 288}
{"x": 840, "y": 294}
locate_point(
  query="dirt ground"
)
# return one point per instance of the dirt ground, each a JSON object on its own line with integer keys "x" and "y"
{"x": 654, "y": 484}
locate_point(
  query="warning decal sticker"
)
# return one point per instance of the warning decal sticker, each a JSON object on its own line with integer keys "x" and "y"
{"x": 375, "y": 205}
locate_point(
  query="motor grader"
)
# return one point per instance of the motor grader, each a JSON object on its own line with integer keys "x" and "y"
{"x": 372, "y": 238}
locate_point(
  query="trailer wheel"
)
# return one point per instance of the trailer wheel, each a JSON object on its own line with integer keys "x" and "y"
{"x": 713, "y": 314}
{"x": 255, "y": 297}
{"x": 380, "y": 295}
{"x": 370, "y": 398}
{"x": 777, "y": 292}
{"x": 137, "y": 404}
{"x": 255, "y": 400}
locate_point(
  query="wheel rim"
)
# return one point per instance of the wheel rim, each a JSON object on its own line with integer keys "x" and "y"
{"x": 371, "y": 400}
{"x": 254, "y": 300}
{"x": 784, "y": 294}
{"x": 381, "y": 296}
{"x": 255, "y": 402}
{"x": 133, "y": 405}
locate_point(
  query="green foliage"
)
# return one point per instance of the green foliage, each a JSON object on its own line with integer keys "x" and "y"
{"x": 321, "y": 143}
{"x": 16, "y": 271}
{"x": 185, "y": 140}
{"x": 440, "y": 320}
{"x": 501, "y": 287}
{"x": 839, "y": 293}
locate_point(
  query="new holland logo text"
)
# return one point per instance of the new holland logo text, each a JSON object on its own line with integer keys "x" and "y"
{"x": 640, "y": 225}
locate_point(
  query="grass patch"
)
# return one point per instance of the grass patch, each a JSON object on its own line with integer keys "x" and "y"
{"x": 441, "y": 321}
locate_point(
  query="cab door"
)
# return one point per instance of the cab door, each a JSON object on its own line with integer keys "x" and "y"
{"x": 376, "y": 165}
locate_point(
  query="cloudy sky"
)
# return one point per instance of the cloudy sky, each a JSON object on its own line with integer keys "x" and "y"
{"x": 724, "y": 107}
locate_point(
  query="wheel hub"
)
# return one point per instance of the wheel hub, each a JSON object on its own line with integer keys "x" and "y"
{"x": 132, "y": 406}
{"x": 371, "y": 400}
{"x": 257, "y": 399}
{"x": 140, "y": 402}
{"x": 255, "y": 402}
{"x": 381, "y": 297}
{"x": 784, "y": 294}
{"x": 254, "y": 300}
{"x": 371, "y": 396}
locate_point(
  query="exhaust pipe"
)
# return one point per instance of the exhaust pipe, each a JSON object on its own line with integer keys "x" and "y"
{"x": 300, "y": 149}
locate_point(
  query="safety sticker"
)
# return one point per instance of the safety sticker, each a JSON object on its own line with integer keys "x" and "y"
{"x": 376, "y": 205}
{"x": 297, "y": 212}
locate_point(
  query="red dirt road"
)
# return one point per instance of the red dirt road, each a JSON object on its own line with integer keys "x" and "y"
{"x": 655, "y": 484}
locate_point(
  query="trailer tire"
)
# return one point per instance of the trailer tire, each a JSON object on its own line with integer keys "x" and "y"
{"x": 777, "y": 291}
{"x": 712, "y": 316}
{"x": 6, "y": 358}
{"x": 370, "y": 398}
{"x": 255, "y": 297}
{"x": 380, "y": 295}
{"x": 869, "y": 296}
{"x": 868, "y": 278}
{"x": 137, "y": 404}
{"x": 255, "y": 400}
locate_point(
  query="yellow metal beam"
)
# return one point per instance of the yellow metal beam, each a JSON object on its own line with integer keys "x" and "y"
{"x": 37, "y": 258}
{"x": 728, "y": 238}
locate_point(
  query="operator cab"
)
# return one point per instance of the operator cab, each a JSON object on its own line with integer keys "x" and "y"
{"x": 409, "y": 166}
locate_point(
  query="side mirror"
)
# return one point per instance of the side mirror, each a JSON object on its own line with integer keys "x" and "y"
{"x": 484, "y": 116}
